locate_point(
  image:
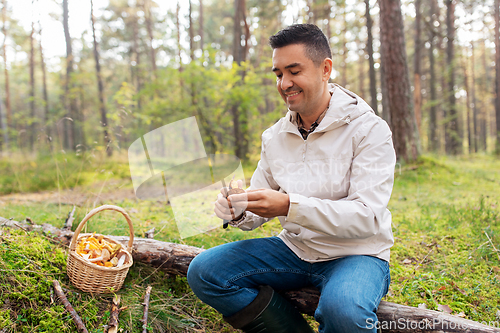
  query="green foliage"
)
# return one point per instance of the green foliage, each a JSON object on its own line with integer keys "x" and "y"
{"x": 207, "y": 90}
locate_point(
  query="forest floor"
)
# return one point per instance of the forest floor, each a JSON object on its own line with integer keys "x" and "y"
{"x": 446, "y": 223}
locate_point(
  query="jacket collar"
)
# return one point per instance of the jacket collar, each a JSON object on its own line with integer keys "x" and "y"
{"x": 344, "y": 107}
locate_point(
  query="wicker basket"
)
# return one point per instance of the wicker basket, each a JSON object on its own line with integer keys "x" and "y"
{"x": 90, "y": 277}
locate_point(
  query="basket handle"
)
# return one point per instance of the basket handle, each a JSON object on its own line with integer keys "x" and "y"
{"x": 94, "y": 211}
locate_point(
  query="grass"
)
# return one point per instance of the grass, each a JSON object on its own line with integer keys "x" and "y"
{"x": 446, "y": 219}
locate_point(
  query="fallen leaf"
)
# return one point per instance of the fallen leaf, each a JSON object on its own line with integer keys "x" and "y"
{"x": 461, "y": 315}
{"x": 445, "y": 308}
{"x": 422, "y": 306}
{"x": 407, "y": 261}
{"x": 442, "y": 288}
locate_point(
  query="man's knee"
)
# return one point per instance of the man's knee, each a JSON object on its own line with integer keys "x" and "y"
{"x": 201, "y": 272}
{"x": 345, "y": 311}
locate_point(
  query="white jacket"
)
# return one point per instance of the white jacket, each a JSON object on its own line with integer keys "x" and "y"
{"x": 339, "y": 181}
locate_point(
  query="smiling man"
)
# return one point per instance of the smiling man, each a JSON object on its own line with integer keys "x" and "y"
{"x": 326, "y": 171}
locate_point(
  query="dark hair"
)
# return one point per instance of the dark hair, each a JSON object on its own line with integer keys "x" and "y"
{"x": 309, "y": 35}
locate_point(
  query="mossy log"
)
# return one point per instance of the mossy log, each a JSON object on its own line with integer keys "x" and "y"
{"x": 175, "y": 258}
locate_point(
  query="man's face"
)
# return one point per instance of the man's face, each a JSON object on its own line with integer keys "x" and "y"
{"x": 300, "y": 82}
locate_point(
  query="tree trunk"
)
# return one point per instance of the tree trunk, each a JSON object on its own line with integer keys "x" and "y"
{"x": 485, "y": 106}
{"x": 45, "y": 117}
{"x": 175, "y": 259}
{"x": 433, "y": 137}
{"x": 417, "y": 92}
{"x": 397, "y": 82}
{"x": 470, "y": 135}
{"x": 70, "y": 135}
{"x": 497, "y": 75}
{"x": 475, "y": 138}
{"x": 8, "y": 111}
{"x": 345, "y": 51}
{"x": 371, "y": 61}
{"x": 454, "y": 144}
{"x": 33, "y": 120}
{"x": 2, "y": 127}
{"x": 239, "y": 55}
{"x": 191, "y": 31}
{"x": 149, "y": 28}
{"x": 137, "y": 57}
{"x": 100, "y": 86}
{"x": 178, "y": 26}
{"x": 361, "y": 73}
{"x": 200, "y": 28}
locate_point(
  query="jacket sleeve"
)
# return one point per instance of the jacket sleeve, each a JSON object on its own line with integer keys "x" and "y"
{"x": 361, "y": 212}
{"x": 261, "y": 178}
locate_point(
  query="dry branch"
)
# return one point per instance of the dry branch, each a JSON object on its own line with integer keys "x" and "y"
{"x": 69, "y": 221}
{"x": 175, "y": 259}
{"x": 76, "y": 318}
{"x": 113, "y": 317}
{"x": 144, "y": 320}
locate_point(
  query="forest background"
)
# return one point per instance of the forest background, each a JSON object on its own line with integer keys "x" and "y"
{"x": 141, "y": 64}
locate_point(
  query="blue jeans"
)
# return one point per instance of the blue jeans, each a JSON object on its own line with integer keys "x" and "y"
{"x": 226, "y": 277}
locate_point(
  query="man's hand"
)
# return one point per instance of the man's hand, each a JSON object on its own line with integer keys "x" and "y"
{"x": 223, "y": 208}
{"x": 263, "y": 202}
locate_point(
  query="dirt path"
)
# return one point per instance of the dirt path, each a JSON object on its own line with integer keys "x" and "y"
{"x": 90, "y": 195}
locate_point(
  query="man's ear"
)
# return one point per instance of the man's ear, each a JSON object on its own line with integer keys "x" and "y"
{"x": 327, "y": 68}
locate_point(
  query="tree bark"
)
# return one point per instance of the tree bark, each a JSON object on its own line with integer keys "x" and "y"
{"x": 239, "y": 56}
{"x": 178, "y": 26}
{"x": 454, "y": 144}
{"x": 175, "y": 259}
{"x": 2, "y": 127}
{"x": 468, "y": 106}
{"x": 100, "y": 86}
{"x": 200, "y": 28}
{"x": 45, "y": 116}
{"x": 497, "y": 75}
{"x": 191, "y": 31}
{"x": 397, "y": 82}
{"x": 417, "y": 91}
{"x": 33, "y": 120}
{"x": 485, "y": 106}
{"x": 345, "y": 50}
{"x": 149, "y": 28}
{"x": 8, "y": 109}
{"x": 114, "y": 314}
{"x": 433, "y": 137}
{"x": 137, "y": 56}
{"x": 69, "y": 126}
{"x": 371, "y": 61}
{"x": 475, "y": 138}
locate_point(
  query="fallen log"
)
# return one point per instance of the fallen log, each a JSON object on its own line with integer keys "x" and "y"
{"x": 175, "y": 258}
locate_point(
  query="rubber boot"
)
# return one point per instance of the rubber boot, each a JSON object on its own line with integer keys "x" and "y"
{"x": 269, "y": 312}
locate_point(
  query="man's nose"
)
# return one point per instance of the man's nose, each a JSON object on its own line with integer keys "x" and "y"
{"x": 286, "y": 82}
